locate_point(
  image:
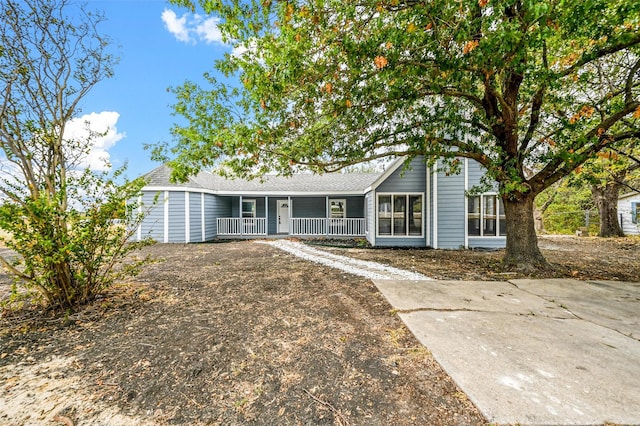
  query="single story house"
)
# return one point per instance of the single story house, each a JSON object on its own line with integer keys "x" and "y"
{"x": 629, "y": 213}
{"x": 410, "y": 207}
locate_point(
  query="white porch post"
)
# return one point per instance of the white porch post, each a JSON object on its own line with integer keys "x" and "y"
{"x": 327, "y": 214}
{"x": 466, "y": 203}
{"x": 240, "y": 216}
{"x": 166, "y": 217}
{"x": 266, "y": 215}
{"x": 202, "y": 221}
{"x": 427, "y": 225}
{"x": 435, "y": 205}
{"x": 290, "y": 210}
{"x": 187, "y": 217}
{"x": 139, "y": 231}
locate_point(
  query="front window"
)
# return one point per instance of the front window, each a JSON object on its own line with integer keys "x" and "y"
{"x": 338, "y": 209}
{"x": 485, "y": 216}
{"x": 249, "y": 208}
{"x": 635, "y": 213}
{"x": 400, "y": 215}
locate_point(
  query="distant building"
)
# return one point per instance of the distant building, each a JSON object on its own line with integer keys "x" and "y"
{"x": 629, "y": 213}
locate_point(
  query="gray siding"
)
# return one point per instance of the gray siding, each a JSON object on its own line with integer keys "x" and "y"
{"x": 195, "y": 217}
{"x": 309, "y": 207}
{"x": 487, "y": 242}
{"x": 411, "y": 180}
{"x": 215, "y": 207}
{"x": 355, "y": 207}
{"x": 451, "y": 210}
{"x": 399, "y": 242}
{"x": 260, "y": 210}
{"x": 176, "y": 217}
{"x": 153, "y": 224}
{"x": 406, "y": 180}
{"x": 474, "y": 174}
{"x": 235, "y": 206}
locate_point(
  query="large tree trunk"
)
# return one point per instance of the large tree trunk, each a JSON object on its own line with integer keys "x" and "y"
{"x": 606, "y": 198}
{"x": 522, "y": 252}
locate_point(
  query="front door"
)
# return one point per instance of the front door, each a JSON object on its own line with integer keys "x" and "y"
{"x": 283, "y": 216}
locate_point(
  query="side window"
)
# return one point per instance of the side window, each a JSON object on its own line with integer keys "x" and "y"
{"x": 384, "y": 215}
{"x": 489, "y": 216}
{"x": 473, "y": 215}
{"x": 485, "y": 216}
{"x": 635, "y": 212}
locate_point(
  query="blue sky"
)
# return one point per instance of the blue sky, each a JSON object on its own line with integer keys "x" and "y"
{"x": 159, "y": 46}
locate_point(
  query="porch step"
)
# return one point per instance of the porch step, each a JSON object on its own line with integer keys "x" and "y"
{"x": 363, "y": 268}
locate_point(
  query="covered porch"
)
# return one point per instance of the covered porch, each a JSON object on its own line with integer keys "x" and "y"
{"x": 273, "y": 216}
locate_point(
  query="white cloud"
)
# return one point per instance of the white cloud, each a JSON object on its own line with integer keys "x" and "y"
{"x": 208, "y": 29}
{"x": 192, "y": 28}
{"x": 103, "y": 125}
{"x": 176, "y": 26}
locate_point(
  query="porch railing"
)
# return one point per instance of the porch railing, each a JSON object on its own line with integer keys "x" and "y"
{"x": 242, "y": 226}
{"x": 350, "y": 227}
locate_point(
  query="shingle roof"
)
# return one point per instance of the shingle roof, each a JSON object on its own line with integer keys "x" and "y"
{"x": 160, "y": 176}
{"x": 298, "y": 183}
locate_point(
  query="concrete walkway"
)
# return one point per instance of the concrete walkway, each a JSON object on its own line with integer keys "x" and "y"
{"x": 528, "y": 352}
{"x": 532, "y": 352}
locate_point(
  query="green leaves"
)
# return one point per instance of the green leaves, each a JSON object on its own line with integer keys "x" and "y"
{"x": 326, "y": 84}
{"x": 60, "y": 219}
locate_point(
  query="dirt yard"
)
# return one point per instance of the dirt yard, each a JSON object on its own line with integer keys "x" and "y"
{"x": 242, "y": 333}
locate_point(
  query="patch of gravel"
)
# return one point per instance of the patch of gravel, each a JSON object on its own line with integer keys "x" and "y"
{"x": 362, "y": 268}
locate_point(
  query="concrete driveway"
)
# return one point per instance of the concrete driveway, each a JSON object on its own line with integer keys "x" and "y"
{"x": 543, "y": 352}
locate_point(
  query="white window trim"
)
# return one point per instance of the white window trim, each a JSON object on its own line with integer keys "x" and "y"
{"x": 253, "y": 209}
{"x": 484, "y": 194}
{"x": 392, "y": 194}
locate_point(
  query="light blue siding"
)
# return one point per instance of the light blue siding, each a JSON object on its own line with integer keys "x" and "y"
{"x": 399, "y": 242}
{"x": 475, "y": 173}
{"x": 215, "y": 207}
{"x": 152, "y": 225}
{"x": 451, "y": 210}
{"x": 402, "y": 181}
{"x": 487, "y": 242}
{"x": 309, "y": 207}
{"x": 176, "y": 217}
{"x": 260, "y": 210}
{"x": 406, "y": 180}
{"x": 355, "y": 207}
{"x": 235, "y": 206}
{"x": 195, "y": 217}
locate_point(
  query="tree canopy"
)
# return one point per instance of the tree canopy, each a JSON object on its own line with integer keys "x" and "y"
{"x": 326, "y": 84}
